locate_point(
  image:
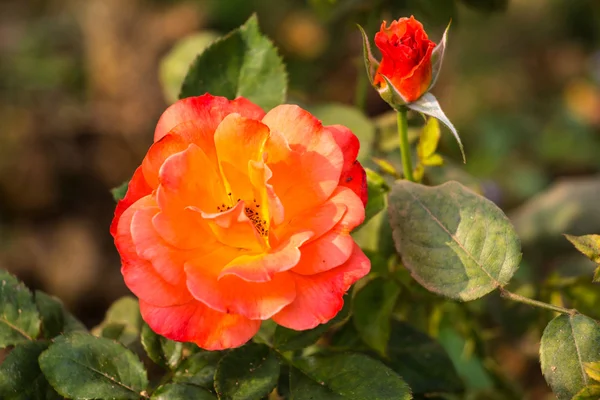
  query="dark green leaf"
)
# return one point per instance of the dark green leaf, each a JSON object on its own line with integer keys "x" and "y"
{"x": 372, "y": 311}
{"x": 568, "y": 342}
{"x": 346, "y": 376}
{"x": 421, "y": 361}
{"x": 288, "y": 339}
{"x": 161, "y": 350}
{"x": 55, "y": 318}
{"x": 83, "y": 366}
{"x": 120, "y": 191}
{"x": 588, "y": 393}
{"x": 19, "y": 317}
{"x": 453, "y": 241}
{"x": 243, "y": 63}
{"x": 122, "y": 321}
{"x": 182, "y": 391}
{"x": 198, "y": 369}
{"x": 21, "y": 377}
{"x": 249, "y": 372}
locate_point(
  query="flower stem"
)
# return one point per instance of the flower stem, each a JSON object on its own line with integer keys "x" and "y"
{"x": 536, "y": 303}
{"x": 407, "y": 167}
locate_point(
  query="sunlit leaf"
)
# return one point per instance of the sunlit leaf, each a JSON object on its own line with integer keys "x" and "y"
{"x": 592, "y": 369}
{"x": 568, "y": 342}
{"x": 588, "y": 393}
{"x": 429, "y": 139}
{"x": 589, "y": 245}
{"x": 122, "y": 321}
{"x": 454, "y": 242}
{"x": 19, "y": 317}
{"x": 161, "y": 350}
{"x": 243, "y": 63}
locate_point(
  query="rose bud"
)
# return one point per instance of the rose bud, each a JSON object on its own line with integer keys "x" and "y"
{"x": 236, "y": 216}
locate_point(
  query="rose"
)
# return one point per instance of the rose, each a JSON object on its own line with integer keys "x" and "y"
{"x": 236, "y": 216}
{"x": 406, "y": 58}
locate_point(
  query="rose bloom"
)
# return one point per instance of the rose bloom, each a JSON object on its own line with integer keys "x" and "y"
{"x": 406, "y": 57}
{"x": 236, "y": 216}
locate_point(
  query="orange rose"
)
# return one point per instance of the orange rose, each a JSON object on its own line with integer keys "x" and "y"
{"x": 236, "y": 216}
{"x": 406, "y": 57}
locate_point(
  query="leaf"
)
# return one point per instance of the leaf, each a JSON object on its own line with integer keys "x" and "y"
{"x": 84, "y": 366}
{"x": 174, "y": 66}
{"x": 377, "y": 190}
{"x": 437, "y": 57}
{"x": 122, "y": 321}
{"x": 370, "y": 62}
{"x": 372, "y": 311}
{"x": 568, "y": 342}
{"x": 161, "y": 350}
{"x": 181, "y": 391}
{"x": 248, "y": 372}
{"x": 453, "y": 241}
{"x": 592, "y": 369}
{"x": 21, "y": 377}
{"x": 286, "y": 339}
{"x": 198, "y": 369}
{"x": 345, "y": 376}
{"x": 120, "y": 191}
{"x": 421, "y": 361}
{"x": 55, "y": 318}
{"x": 589, "y": 245}
{"x": 588, "y": 393}
{"x": 19, "y": 317}
{"x": 352, "y": 118}
{"x": 243, "y": 63}
{"x": 429, "y": 139}
{"x": 433, "y": 161}
{"x": 428, "y": 105}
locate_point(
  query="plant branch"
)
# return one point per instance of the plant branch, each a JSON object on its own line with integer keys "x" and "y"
{"x": 535, "y": 303}
{"x": 407, "y": 167}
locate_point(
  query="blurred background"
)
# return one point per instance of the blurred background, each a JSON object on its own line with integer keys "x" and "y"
{"x": 83, "y": 82}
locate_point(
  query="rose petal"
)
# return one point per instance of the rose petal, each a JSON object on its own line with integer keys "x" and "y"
{"x": 158, "y": 153}
{"x": 194, "y": 322}
{"x": 319, "y": 297}
{"x": 138, "y": 188}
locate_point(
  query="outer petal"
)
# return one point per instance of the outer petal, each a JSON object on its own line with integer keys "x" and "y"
{"x": 194, "y": 322}
{"x": 140, "y": 277}
{"x": 230, "y": 294}
{"x": 138, "y": 188}
{"x": 309, "y": 173}
{"x": 319, "y": 296}
{"x": 208, "y": 110}
{"x": 353, "y": 174}
{"x": 158, "y": 153}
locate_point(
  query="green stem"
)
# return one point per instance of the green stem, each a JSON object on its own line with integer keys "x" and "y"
{"x": 540, "y": 304}
{"x": 407, "y": 167}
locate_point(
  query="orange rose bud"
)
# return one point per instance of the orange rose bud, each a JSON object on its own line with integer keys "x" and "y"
{"x": 406, "y": 58}
{"x": 236, "y": 216}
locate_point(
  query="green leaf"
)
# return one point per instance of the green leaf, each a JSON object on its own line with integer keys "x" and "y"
{"x": 589, "y": 245}
{"x": 249, "y": 372}
{"x": 345, "y": 376}
{"x": 181, "y": 391}
{"x": 453, "y": 241}
{"x": 120, "y": 191}
{"x": 161, "y": 350}
{"x": 370, "y": 62}
{"x": 428, "y": 105}
{"x": 174, "y": 66}
{"x": 421, "y": 361}
{"x": 372, "y": 311}
{"x": 429, "y": 139}
{"x": 122, "y": 321}
{"x": 592, "y": 369}
{"x": 19, "y": 317}
{"x": 243, "y": 63}
{"x": 377, "y": 190}
{"x": 286, "y": 339}
{"x": 588, "y": 393}
{"x": 568, "y": 342}
{"x": 84, "y": 366}
{"x": 353, "y": 119}
{"x": 21, "y": 377}
{"x": 55, "y": 318}
{"x": 198, "y": 369}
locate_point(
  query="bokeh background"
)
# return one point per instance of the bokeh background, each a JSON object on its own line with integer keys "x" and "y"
{"x": 83, "y": 82}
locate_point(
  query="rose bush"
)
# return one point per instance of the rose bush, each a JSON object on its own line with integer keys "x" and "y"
{"x": 236, "y": 216}
{"x": 406, "y": 57}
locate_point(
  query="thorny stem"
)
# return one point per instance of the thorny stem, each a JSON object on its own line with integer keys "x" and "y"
{"x": 407, "y": 168}
{"x": 536, "y": 303}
